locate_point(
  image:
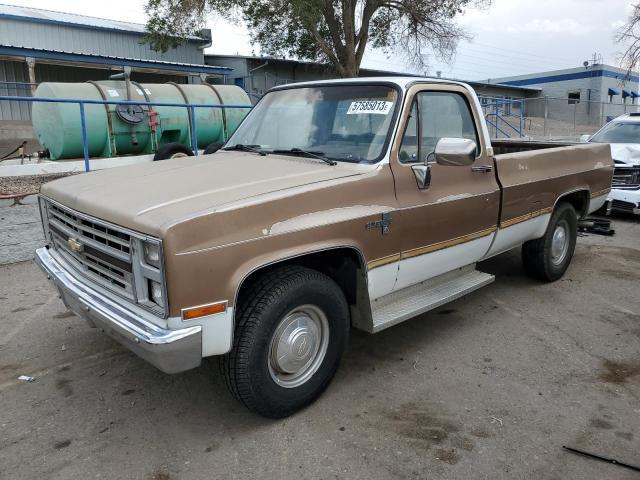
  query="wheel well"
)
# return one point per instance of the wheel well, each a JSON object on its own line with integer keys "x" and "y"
{"x": 579, "y": 200}
{"x": 343, "y": 265}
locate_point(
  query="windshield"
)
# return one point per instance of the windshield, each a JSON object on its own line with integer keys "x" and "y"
{"x": 618, "y": 132}
{"x": 342, "y": 122}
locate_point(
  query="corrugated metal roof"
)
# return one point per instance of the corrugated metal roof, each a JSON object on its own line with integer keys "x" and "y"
{"x": 62, "y": 17}
{"x": 82, "y": 21}
{"x": 110, "y": 59}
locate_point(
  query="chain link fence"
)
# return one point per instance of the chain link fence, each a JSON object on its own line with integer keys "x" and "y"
{"x": 549, "y": 117}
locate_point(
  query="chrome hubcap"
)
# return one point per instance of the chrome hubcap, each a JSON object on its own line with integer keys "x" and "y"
{"x": 298, "y": 346}
{"x": 560, "y": 242}
{"x": 179, "y": 155}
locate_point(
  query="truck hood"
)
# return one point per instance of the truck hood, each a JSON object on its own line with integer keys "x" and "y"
{"x": 151, "y": 197}
{"x": 628, "y": 153}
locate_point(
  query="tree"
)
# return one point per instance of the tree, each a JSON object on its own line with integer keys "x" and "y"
{"x": 629, "y": 34}
{"x": 327, "y": 31}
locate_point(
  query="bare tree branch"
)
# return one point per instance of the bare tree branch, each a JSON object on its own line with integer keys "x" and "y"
{"x": 629, "y": 34}
{"x": 334, "y": 31}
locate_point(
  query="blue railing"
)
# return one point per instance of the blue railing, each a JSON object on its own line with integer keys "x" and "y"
{"x": 25, "y": 85}
{"x": 83, "y": 125}
{"x": 500, "y": 109}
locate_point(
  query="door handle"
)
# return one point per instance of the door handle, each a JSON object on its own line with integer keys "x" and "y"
{"x": 482, "y": 168}
{"x": 422, "y": 173}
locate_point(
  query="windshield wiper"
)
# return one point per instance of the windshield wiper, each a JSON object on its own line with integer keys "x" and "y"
{"x": 309, "y": 153}
{"x": 247, "y": 148}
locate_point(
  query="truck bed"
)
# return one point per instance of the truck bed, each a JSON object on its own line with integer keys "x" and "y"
{"x": 501, "y": 146}
{"x": 533, "y": 175}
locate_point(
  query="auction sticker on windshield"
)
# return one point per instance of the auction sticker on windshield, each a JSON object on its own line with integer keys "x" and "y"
{"x": 381, "y": 107}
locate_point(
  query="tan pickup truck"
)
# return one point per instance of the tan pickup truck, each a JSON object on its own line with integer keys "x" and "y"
{"x": 335, "y": 205}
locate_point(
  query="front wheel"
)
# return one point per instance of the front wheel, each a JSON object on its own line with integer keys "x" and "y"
{"x": 291, "y": 332}
{"x": 548, "y": 257}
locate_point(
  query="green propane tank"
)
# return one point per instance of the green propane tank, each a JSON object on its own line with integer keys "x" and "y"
{"x": 114, "y": 130}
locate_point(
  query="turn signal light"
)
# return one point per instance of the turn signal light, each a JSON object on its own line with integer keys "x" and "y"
{"x": 204, "y": 310}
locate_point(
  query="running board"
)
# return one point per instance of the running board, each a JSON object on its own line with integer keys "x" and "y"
{"x": 399, "y": 306}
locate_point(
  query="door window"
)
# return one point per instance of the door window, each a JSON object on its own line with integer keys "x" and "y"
{"x": 435, "y": 115}
{"x": 443, "y": 114}
{"x": 409, "y": 146}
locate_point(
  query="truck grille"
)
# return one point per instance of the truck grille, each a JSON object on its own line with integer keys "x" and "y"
{"x": 95, "y": 249}
{"x": 626, "y": 178}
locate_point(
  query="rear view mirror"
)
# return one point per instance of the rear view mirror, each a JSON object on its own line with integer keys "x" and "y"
{"x": 585, "y": 138}
{"x": 457, "y": 152}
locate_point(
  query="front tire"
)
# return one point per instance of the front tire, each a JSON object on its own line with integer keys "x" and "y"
{"x": 292, "y": 329}
{"x": 548, "y": 257}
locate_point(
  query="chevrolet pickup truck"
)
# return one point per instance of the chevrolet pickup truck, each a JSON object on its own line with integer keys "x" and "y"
{"x": 335, "y": 205}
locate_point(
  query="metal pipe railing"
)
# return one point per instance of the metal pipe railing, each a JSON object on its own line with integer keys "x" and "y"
{"x": 501, "y": 109}
{"x": 17, "y": 84}
{"x": 81, "y": 104}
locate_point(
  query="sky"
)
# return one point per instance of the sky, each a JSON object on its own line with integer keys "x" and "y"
{"x": 509, "y": 38}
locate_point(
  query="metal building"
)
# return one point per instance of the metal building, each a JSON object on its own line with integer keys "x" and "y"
{"x": 586, "y": 97}
{"x": 258, "y": 74}
{"x": 502, "y": 104}
{"x": 42, "y": 45}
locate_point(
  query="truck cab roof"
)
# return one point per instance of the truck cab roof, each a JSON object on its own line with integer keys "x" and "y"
{"x": 401, "y": 81}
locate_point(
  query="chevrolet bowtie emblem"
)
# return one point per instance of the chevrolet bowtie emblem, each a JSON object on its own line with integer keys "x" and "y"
{"x": 74, "y": 245}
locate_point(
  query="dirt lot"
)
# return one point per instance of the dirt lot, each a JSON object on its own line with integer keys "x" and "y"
{"x": 490, "y": 386}
{"x": 20, "y": 230}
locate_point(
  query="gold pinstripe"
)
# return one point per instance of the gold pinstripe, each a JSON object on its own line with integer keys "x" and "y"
{"x": 383, "y": 261}
{"x": 525, "y": 217}
{"x": 465, "y": 238}
{"x": 600, "y": 193}
{"x": 416, "y": 252}
{"x": 429, "y": 248}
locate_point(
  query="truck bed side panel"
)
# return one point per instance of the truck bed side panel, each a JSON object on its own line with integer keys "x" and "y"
{"x": 533, "y": 180}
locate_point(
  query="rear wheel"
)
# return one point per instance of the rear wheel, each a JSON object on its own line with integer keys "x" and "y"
{"x": 172, "y": 150}
{"x": 291, "y": 332}
{"x": 548, "y": 257}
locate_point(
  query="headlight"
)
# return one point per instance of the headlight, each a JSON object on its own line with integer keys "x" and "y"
{"x": 148, "y": 266}
{"x": 152, "y": 253}
{"x": 155, "y": 292}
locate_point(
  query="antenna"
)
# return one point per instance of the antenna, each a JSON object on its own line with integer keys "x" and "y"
{"x": 596, "y": 58}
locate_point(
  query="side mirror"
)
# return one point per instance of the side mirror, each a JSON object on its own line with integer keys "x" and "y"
{"x": 585, "y": 138}
{"x": 457, "y": 152}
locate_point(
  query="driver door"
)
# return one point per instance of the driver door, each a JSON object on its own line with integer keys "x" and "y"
{"x": 450, "y": 222}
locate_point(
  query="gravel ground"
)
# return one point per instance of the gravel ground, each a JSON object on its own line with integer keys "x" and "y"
{"x": 21, "y": 230}
{"x": 28, "y": 183}
{"x": 20, "y": 224}
{"x": 488, "y": 387}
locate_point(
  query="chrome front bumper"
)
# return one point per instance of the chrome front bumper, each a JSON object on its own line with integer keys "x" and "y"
{"x": 171, "y": 351}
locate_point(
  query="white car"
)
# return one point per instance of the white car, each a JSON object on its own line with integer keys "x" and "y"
{"x": 623, "y": 133}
